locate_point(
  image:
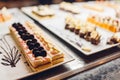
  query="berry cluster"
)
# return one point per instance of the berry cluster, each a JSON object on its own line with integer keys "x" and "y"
{"x": 30, "y": 40}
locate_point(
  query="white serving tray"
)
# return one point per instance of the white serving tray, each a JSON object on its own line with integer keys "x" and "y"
{"x": 20, "y": 69}
{"x": 57, "y": 24}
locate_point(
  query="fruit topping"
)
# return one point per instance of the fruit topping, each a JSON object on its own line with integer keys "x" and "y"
{"x": 26, "y": 36}
{"x": 32, "y": 40}
{"x": 40, "y": 48}
{"x": 21, "y": 31}
{"x": 14, "y": 25}
{"x": 19, "y": 24}
{"x": 43, "y": 53}
{"x": 38, "y": 52}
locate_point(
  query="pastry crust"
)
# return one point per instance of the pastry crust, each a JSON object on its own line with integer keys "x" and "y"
{"x": 86, "y": 31}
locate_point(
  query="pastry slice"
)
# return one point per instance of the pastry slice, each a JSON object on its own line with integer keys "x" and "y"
{"x": 55, "y": 54}
{"x": 114, "y": 39}
{"x": 95, "y": 37}
{"x": 34, "y": 50}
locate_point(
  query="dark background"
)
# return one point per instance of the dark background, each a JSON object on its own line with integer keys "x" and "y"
{"x": 21, "y": 3}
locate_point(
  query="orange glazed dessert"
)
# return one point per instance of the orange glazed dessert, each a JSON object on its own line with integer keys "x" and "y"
{"x": 107, "y": 23}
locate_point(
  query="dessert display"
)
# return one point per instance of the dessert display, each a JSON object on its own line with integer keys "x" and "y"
{"x": 43, "y": 11}
{"x": 107, "y": 23}
{"x": 69, "y": 7}
{"x": 4, "y": 15}
{"x": 39, "y": 52}
{"x": 86, "y": 31}
{"x": 114, "y": 39}
{"x": 93, "y": 7}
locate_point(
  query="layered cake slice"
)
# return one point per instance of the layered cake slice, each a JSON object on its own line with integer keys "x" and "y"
{"x": 114, "y": 39}
{"x": 89, "y": 33}
{"x": 95, "y": 37}
{"x": 34, "y": 48}
{"x": 72, "y": 24}
{"x": 86, "y": 31}
{"x": 4, "y": 15}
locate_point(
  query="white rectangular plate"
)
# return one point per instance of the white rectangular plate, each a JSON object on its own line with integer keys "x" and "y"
{"x": 12, "y": 63}
{"x": 57, "y": 24}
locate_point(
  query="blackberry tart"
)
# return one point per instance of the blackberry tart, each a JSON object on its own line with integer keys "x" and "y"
{"x": 39, "y": 53}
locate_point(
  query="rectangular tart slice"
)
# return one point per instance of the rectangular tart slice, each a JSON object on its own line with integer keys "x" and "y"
{"x": 35, "y": 47}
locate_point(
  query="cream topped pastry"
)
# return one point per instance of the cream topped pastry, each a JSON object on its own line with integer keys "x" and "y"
{"x": 77, "y": 26}
{"x": 90, "y": 28}
{"x": 83, "y": 32}
{"x": 86, "y": 31}
{"x": 95, "y": 37}
{"x": 72, "y": 24}
{"x": 4, "y": 15}
{"x": 114, "y": 39}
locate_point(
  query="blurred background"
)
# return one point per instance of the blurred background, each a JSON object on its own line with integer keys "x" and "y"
{"x": 20, "y": 3}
